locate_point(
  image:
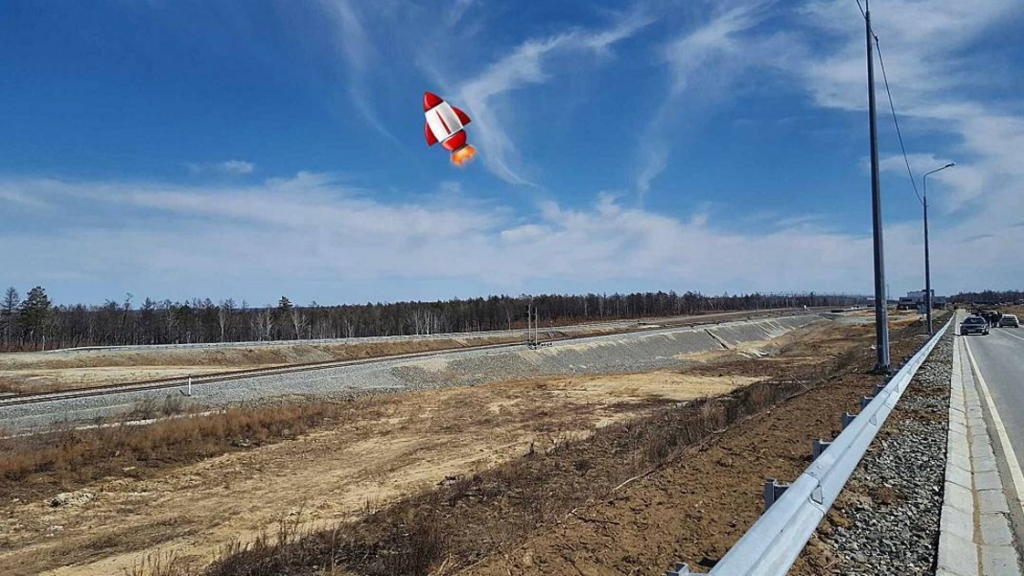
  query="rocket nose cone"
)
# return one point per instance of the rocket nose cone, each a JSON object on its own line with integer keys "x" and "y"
{"x": 430, "y": 100}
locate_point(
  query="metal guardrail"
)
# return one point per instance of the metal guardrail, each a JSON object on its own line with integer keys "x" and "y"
{"x": 773, "y": 543}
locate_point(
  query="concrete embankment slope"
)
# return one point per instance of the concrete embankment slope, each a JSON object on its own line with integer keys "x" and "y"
{"x": 631, "y": 352}
{"x": 736, "y": 333}
{"x": 660, "y": 349}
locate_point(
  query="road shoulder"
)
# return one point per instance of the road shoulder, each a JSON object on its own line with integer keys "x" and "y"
{"x": 975, "y": 535}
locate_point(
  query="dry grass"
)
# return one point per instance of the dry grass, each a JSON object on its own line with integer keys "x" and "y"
{"x": 151, "y": 408}
{"x": 453, "y": 526}
{"x": 471, "y": 517}
{"x": 165, "y": 564}
{"x": 65, "y": 457}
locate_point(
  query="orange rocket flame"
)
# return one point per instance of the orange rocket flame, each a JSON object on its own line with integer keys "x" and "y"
{"x": 463, "y": 155}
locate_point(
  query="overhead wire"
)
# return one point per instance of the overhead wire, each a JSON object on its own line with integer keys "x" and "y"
{"x": 896, "y": 121}
{"x": 892, "y": 107}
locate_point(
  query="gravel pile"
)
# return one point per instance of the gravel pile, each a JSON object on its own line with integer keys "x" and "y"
{"x": 621, "y": 353}
{"x": 886, "y": 522}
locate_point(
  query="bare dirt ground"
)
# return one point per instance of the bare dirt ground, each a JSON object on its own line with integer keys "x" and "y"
{"x": 405, "y": 445}
{"x": 694, "y": 510}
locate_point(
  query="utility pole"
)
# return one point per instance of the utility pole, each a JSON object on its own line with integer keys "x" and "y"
{"x": 532, "y": 323}
{"x": 927, "y": 268}
{"x": 529, "y": 324}
{"x": 881, "y": 303}
{"x": 927, "y": 262}
{"x": 537, "y": 327}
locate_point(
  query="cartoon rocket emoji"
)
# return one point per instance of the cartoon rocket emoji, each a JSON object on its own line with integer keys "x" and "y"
{"x": 445, "y": 124}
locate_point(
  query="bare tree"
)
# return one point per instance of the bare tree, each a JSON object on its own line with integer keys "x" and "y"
{"x": 227, "y": 308}
{"x": 350, "y": 327}
{"x": 299, "y": 322}
{"x": 263, "y": 323}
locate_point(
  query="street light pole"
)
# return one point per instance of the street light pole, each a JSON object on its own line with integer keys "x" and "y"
{"x": 881, "y": 303}
{"x": 927, "y": 262}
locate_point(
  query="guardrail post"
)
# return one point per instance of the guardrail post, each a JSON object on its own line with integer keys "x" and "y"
{"x": 878, "y": 389}
{"x": 817, "y": 447}
{"x": 864, "y": 401}
{"x": 847, "y": 419}
{"x": 773, "y": 490}
{"x": 680, "y": 569}
{"x": 773, "y": 543}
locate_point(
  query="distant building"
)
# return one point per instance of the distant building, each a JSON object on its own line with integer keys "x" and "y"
{"x": 915, "y": 300}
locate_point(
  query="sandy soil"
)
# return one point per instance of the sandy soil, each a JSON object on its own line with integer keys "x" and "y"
{"x": 408, "y": 443}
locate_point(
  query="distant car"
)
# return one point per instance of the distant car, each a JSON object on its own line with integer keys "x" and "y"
{"x": 974, "y": 325}
{"x": 1009, "y": 321}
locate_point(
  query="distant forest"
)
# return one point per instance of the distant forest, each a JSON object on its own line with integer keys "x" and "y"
{"x": 989, "y": 297}
{"x": 35, "y": 323}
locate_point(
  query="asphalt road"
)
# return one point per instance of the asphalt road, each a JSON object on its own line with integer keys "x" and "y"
{"x": 1000, "y": 358}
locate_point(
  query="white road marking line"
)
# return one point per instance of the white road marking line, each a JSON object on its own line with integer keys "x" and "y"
{"x": 1011, "y": 335}
{"x": 1014, "y": 465}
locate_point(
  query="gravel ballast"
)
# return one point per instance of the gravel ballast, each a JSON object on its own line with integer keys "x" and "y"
{"x": 886, "y": 521}
{"x": 612, "y": 354}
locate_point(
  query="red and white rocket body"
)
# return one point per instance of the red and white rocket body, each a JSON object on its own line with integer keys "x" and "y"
{"x": 445, "y": 124}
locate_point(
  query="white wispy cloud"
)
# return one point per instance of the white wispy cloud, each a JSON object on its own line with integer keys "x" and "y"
{"x": 228, "y": 167}
{"x": 691, "y": 55}
{"x": 525, "y": 65}
{"x": 237, "y": 167}
{"x": 314, "y": 233}
{"x": 941, "y": 85}
{"x": 703, "y": 62}
{"x": 458, "y": 10}
{"x": 359, "y": 53}
{"x": 11, "y": 198}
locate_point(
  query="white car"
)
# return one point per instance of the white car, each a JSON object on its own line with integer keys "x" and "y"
{"x": 1009, "y": 321}
{"x": 974, "y": 325}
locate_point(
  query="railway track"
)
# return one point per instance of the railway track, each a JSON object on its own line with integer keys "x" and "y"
{"x": 172, "y": 383}
{"x": 178, "y": 382}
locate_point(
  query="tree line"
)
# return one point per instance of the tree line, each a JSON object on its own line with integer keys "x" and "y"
{"x": 35, "y": 323}
{"x": 989, "y": 297}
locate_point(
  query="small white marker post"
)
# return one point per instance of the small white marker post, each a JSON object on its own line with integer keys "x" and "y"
{"x": 189, "y": 385}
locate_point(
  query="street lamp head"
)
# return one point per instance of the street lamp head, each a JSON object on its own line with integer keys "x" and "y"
{"x": 950, "y": 165}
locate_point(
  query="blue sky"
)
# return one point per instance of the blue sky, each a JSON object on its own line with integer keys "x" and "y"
{"x": 249, "y": 149}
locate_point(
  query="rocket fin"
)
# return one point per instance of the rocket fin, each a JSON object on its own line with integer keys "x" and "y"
{"x": 463, "y": 117}
{"x": 431, "y": 140}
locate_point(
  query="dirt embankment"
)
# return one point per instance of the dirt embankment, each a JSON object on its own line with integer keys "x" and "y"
{"x": 64, "y": 369}
{"x": 527, "y": 486}
{"x": 33, "y": 372}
